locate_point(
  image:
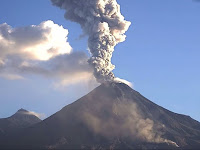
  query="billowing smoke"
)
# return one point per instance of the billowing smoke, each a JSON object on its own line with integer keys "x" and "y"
{"x": 102, "y": 21}
{"x": 127, "y": 121}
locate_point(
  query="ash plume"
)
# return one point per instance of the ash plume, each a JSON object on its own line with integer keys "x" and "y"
{"x": 102, "y": 21}
{"x": 134, "y": 125}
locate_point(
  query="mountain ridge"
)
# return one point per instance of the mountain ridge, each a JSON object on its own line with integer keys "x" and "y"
{"x": 112, "y": 115}
{"x": 21, "y": 119}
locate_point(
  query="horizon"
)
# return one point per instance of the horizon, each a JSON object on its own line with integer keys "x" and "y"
{"x": 159, "y": 57}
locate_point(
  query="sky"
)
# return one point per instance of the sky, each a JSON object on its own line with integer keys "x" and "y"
{"x": 160, "y": 56}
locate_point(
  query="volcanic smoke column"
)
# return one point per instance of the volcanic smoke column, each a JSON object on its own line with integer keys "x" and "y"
{"x": 102, "y": 21}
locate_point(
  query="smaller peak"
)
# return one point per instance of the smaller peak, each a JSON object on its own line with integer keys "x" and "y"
{"x": 22, "y": 111}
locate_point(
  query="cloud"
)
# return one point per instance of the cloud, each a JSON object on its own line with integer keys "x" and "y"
{"x": 83, "y": 77}
{"x": 123, "y": 81}
{"x": 35, "y": 42}
{"x": 39, "y": 115}
{"x": 41, "y": 50}
{"x": 11, "y": 76}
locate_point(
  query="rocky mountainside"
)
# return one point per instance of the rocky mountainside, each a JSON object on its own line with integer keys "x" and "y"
{"x": 21, "y": 119}
{"x": 112, "y": 116}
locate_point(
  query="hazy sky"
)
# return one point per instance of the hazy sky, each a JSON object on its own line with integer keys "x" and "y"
{"x": 160, "y": 56}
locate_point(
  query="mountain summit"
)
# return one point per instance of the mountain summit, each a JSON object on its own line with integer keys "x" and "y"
{"x": 112, "y": 116}
{"x": 20, "y": 120}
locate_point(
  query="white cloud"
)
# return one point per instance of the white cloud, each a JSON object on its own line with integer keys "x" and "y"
{"x": 11, "y": 76}
{"x": 39, "y": 115}
{"x": 35, "y": 42}
{"x": 123, "y": 81}
{"x": 41, "y": 50}
{"x": 83, "y": 77}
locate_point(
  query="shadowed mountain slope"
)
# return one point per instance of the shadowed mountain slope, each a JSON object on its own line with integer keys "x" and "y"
{"x": 21, "y": 119}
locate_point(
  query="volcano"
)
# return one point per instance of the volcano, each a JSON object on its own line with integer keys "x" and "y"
{"x": 21, "y": 119}
{"x": 112, "y": 116}
{"x": 17, "y": 122}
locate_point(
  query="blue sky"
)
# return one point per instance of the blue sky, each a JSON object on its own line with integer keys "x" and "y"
{"x": 160, "y": 55}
